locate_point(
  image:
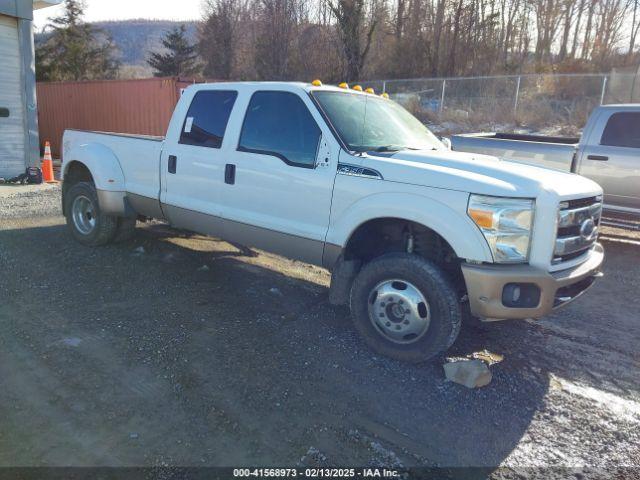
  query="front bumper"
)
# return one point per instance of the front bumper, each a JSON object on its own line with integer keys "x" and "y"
{"x": 486, "y": 284}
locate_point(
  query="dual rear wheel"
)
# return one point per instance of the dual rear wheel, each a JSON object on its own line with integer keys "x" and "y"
{"x": 87, "y": 222}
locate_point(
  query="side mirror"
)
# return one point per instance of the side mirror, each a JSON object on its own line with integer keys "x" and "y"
{"x": 446, "y": 142}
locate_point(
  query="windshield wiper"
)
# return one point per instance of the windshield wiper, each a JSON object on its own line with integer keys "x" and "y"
{"x": 387, "y": 148}
{"x": 383, "y": 148}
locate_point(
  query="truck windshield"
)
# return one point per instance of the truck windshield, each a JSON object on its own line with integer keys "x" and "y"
{"x": 367, "y": 123}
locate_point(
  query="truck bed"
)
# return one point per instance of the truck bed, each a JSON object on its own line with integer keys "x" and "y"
{"x": 138, "y": 156}
{"x": 545, "y": 151}
{"x": 155, "y": 138}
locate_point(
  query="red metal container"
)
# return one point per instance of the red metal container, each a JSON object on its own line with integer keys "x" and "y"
{"x": 124, "y": 106}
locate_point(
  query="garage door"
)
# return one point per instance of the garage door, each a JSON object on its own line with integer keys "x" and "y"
{"x": 12, "y": 125}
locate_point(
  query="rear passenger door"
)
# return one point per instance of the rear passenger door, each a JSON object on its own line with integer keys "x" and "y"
{"x": 278, "y": 195}
{"x": 612, "y": 158}
{"x": 193, "y": 163}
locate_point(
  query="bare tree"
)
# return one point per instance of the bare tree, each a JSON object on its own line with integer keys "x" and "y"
{"x": 279, "y": 20}
{"x": 611, "y": 20}
{"x": 576, "y": 31}
{"x": 334, "y": 39}
{"x": 217, "y": 36}
{"x": 350, "y": 18}
{"x": 569, "y": 8}
{"x": 635, "y": 26}
{"x": 400, "y": 17}
{"x": 586, "y": 43}
{"x": 548, "y": 15}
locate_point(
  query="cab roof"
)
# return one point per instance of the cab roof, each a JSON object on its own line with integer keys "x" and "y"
{"x": 620, "y": 106}
{"x": 307, "y": 87}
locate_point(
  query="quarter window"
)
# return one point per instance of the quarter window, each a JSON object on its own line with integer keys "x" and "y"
{"x": 622, "y": 130}
{"x": 207, "y": 118}
{"x": 280, "y": 124}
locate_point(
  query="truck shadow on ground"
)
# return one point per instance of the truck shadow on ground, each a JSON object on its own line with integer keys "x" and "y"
{"x": 158, "y": 359}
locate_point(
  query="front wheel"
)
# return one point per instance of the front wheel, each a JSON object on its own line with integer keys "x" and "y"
{"x": 405, "y": 307}
{"x": 85, "y": 220}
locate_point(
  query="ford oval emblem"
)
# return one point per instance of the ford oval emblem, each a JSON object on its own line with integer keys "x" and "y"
{"x": 588, "y": 229}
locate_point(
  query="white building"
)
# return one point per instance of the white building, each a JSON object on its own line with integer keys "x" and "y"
{"x": 19, "y": 144}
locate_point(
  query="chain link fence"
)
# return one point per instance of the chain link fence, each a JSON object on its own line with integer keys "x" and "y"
{"x": 545, "y": 103}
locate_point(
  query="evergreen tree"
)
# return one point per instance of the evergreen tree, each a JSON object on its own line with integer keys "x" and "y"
{"x": 75, "y": 50}
{"x": 181, "y": 56}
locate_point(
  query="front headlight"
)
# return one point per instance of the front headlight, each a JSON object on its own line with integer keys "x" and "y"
{"x": 506, "y": 224}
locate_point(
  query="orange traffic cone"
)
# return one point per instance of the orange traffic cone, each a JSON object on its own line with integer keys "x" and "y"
{"x": 47, "y": 165}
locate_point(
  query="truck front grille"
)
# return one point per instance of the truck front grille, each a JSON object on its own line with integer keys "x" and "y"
{"x": 578, "y": 223}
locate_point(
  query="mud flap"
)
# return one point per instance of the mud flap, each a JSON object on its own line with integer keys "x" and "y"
{"x": 342, "y": 278}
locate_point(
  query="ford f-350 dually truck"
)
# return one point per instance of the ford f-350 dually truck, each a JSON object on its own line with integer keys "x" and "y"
{"x": 413, "y": 233}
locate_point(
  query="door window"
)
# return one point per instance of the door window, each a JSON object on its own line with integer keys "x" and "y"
{"x": 622, "y": 130}
{"x": 280, "y": 124}
{"x": 207, "y": 118}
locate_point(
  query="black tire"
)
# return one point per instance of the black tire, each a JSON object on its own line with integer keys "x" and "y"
{"x": 126, "y": 229}
{"x": 444, "y": 307}
{"x": 105, "y": 226}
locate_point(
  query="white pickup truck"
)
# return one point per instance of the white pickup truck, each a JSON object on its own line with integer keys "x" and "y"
{"x": 413, "y": 233}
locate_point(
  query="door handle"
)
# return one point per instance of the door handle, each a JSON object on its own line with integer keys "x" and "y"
{"x": 173, "y": 163}
{"x": 230, "y": 174}
{"x": 600, "y": 158}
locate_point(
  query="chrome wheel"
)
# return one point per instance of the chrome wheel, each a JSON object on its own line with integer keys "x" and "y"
{"x": 399, "y": 311}
{"x": 84, "y": 215}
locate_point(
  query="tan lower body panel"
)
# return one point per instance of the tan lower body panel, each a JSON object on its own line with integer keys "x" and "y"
{"x": 485, "y": 284}
{"x": 290, "y": 246}
{"x": 145, "y": 206}
{"x": 127, "y": 204}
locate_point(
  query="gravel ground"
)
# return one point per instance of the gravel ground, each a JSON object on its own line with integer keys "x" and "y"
{"x": 31, "y": 200}
{"x": 177, "y": 349}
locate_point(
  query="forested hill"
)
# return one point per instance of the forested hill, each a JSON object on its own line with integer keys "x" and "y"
{"x": 136, "y": 38}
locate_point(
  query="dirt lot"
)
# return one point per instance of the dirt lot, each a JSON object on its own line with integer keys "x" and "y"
{"x": 189, "y": 351}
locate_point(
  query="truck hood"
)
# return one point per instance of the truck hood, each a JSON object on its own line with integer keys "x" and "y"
{"x": 481, "y": 174}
